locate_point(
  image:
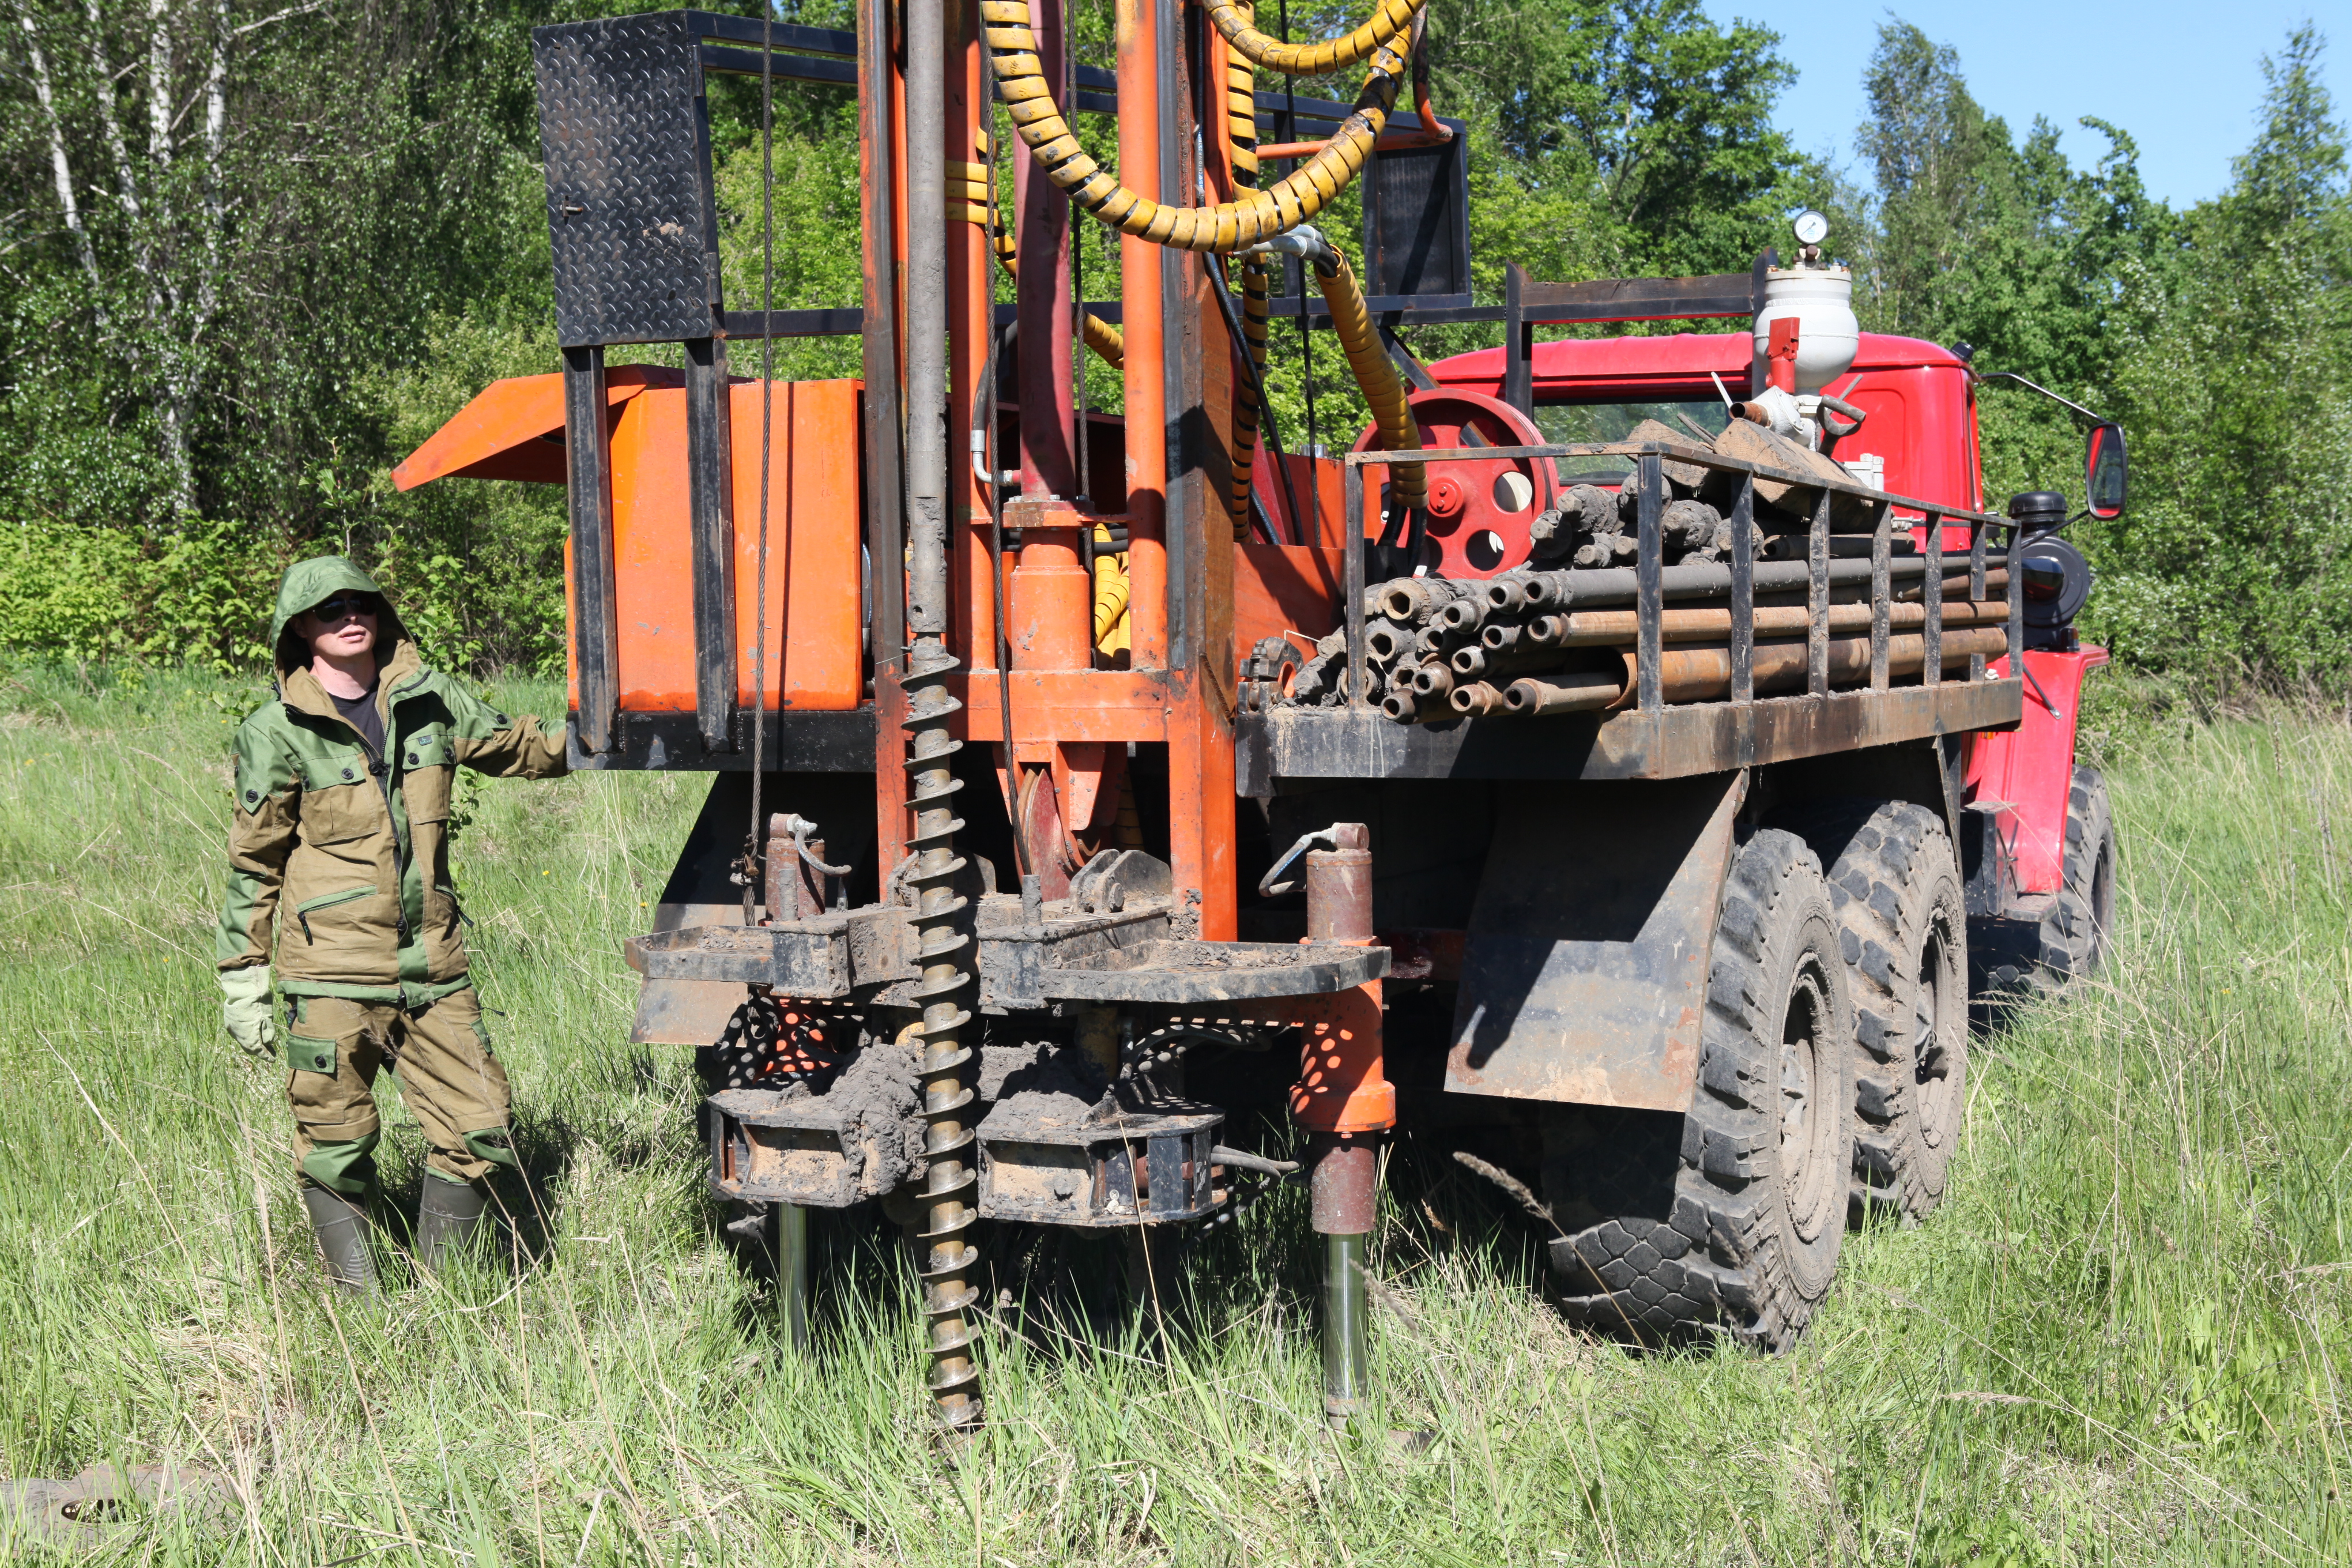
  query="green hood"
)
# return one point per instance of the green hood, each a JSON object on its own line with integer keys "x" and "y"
{"x": 311, "y": 583}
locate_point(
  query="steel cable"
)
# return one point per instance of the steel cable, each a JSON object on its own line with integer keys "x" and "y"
{"x": 753, "y": 842}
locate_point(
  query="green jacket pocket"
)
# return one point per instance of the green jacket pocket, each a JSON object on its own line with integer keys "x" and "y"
{"x": 311, "y": 1055}
{"x": 309, "y": 907}
{"x": 340, "y": 803}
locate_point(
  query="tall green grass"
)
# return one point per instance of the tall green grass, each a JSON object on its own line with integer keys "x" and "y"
{"x": 2122, "y": 1340}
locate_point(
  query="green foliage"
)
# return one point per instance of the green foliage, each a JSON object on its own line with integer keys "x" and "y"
{"x": 812, "y": 261}
{"x": 2220, "y": 337}
{"x": 200, "y": 593}
{"x": 476, "y": 565}
{"x": 1619, "y": 137}
{"x": 2235, "y": 376}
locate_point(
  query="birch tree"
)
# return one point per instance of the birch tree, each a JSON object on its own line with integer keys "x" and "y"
{"x": 227, "y": 213}
{"x": 148, "y": 219}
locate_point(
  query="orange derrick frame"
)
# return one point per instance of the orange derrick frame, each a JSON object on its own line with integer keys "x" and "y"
{"x": 1063, "y": 718}
{"x": 1197, "y": 602}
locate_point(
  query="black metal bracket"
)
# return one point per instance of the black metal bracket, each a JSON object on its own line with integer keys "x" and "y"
{"x": 1527, "y": 304}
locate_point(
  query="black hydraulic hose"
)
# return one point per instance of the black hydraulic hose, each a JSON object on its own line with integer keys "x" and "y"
{"x": 1265, "y": 409}
{"x": 990, "y": 458}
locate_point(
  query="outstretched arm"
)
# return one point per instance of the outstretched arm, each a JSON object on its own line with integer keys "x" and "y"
{"x": 502, "y": 745}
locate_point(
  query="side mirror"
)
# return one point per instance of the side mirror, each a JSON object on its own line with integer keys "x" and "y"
{"x": 2106, "y": 471}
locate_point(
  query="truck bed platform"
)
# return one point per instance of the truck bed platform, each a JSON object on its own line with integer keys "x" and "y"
{"x": 1671, "y": 742}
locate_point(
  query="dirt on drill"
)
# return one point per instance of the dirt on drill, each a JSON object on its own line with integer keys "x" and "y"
{"x": 1056, "y": 1088}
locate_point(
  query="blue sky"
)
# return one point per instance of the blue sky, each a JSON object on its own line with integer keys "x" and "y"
{"x": 2186, "y": 81}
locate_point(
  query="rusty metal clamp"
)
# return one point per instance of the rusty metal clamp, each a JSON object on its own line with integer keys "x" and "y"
{"x": 1324, "y": 838}
{"x": 801, "y": 828}
{"x": 1838, "y": 430}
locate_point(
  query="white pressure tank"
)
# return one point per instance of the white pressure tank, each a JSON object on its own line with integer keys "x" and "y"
{"x": 1821, "y": 297}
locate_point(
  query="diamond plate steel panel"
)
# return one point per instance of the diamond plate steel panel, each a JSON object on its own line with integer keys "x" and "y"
{"x": 629, "y": 205}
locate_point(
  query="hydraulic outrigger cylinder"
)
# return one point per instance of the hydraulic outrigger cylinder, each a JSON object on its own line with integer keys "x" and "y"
{"x": 1345, "y": 1102}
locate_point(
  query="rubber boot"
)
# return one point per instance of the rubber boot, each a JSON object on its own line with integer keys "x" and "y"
{"x": 342, "y": 1228}
{"x": 448, "y": 1220}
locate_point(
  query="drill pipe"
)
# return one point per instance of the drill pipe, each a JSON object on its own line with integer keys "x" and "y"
{"x": 1503, "y": 636}
{"x": 1591, "y": 628}
{"x": 1608, "y": 585}
{"x": 1413, "y": 600}
{"x": 1954, "y": 586}
{"x": 1569, "y": 691}
{"x": 1448, "y": 623}
{"x": 1478, "y": 698}
{"x": 1417, "y": 618}
{"x": 1475, "y": 661}
{"x": 942, "y": 942}
{"x": 1703, "y": 674}
{"x": 1412, "y": 707}
{"x": 1387, "y": 640}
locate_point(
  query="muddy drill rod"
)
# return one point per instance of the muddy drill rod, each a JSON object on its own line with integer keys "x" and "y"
{"x": 792, "y": 1272}
{"x": 940, "y": 920}
{"x": 1345, "y": 1102}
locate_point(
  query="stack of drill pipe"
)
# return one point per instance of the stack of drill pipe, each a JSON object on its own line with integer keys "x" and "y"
{"x": 1532, "y": 642}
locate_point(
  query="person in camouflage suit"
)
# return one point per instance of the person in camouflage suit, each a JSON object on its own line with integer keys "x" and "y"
{"x": 339, "y": 860}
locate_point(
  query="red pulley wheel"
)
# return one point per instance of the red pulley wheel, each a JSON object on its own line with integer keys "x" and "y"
{"x": 1479, "y": 511}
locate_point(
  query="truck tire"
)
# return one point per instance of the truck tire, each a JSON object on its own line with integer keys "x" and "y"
{"x": 1895, "y": 886}
{"x": 2076, "y": 929}
{"x": 1728, "y": 1218}
{"x": 2070, "y": 942}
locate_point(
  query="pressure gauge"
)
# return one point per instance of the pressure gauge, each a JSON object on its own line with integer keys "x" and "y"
{"x": 1811, "y": 227}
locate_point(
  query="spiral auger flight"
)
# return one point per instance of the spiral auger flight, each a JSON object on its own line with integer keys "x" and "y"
{"x": 944, "y": 950}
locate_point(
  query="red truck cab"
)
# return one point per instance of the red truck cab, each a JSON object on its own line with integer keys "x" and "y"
{"x": 1918, "y": 438}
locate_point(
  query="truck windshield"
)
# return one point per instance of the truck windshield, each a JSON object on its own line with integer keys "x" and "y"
{"x": 1580, "y": 423}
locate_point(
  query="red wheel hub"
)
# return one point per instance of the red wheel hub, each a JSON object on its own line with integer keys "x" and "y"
{"x": 1479, "y": 508}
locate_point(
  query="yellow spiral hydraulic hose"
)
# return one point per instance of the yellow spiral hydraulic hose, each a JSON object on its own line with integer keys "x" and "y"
{"x": 1228, "y": 226}
{"x": 1391, "y": 409}
{"x": 1241, "y": 104}
{"x": 972, "y": 197}
{"x": 1255, "y": 288}
{"x": 1110, "y": 596}
{"x": 1232, "y": 21}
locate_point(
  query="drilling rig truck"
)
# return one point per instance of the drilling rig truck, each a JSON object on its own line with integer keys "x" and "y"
{"x": 1627, "y": 761}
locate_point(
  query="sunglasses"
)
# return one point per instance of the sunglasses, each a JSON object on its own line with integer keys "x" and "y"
{"x": 343, "y": 607}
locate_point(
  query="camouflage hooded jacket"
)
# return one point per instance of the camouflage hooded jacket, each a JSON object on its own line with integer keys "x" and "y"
{"x": 341, "y": 857}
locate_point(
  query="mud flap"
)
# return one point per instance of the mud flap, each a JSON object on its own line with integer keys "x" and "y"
{"x": 1584, "y": 975}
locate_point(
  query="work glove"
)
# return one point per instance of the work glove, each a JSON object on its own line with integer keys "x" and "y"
{"x": 245, "y": 1009}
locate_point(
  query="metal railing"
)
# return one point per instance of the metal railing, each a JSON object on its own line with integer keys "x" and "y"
{"x": 1649, "y": 458}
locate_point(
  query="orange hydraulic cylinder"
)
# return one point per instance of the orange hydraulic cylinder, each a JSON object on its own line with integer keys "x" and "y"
{"x": 1050, "y": 620}
{"x": 1343, "y": 1085}
{"x": 1041, "y": 265}
{"x": 1139, "y": 69}
{"x": 974, "y": 618}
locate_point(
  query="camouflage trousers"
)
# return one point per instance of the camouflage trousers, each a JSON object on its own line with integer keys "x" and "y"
{"x": 439, "y": 1053}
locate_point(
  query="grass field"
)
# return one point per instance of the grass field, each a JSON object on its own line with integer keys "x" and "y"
{"x": 2122, "y": 1340}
